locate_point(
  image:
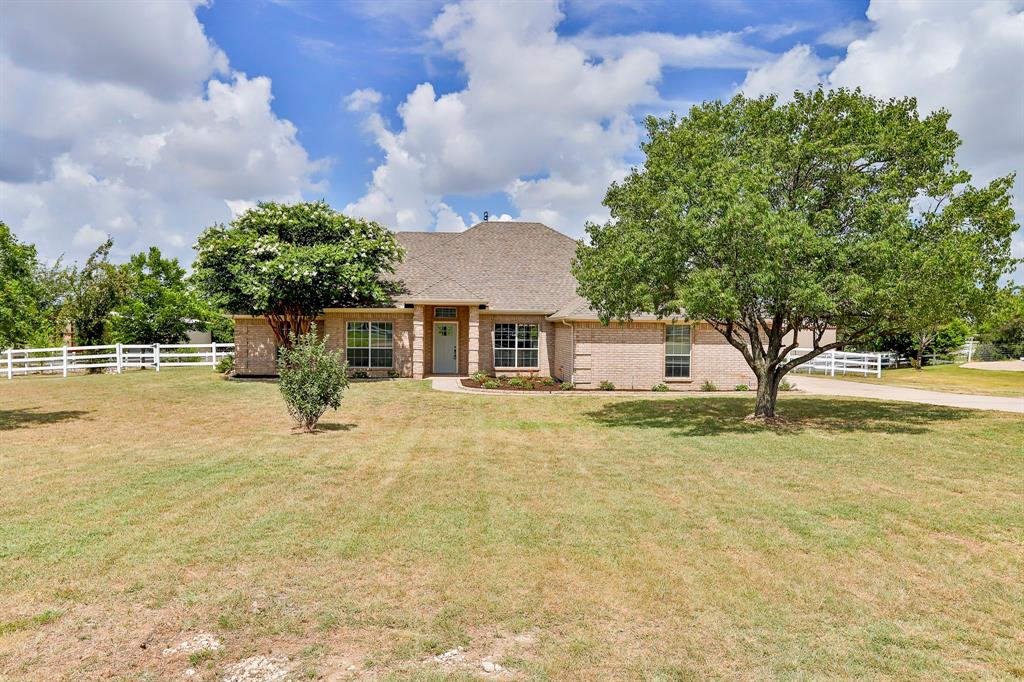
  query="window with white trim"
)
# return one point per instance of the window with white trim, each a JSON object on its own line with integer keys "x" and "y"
{"x": 445, "y": 313}
{"x": 677, "y": 351}
{"x": 369, "y": 345}
{"x": 516, "y": 345}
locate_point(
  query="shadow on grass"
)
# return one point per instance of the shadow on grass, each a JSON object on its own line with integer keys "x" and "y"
{"x": 30, "y": 416}
{"x": 716, "y": 416}
{"x": 330, "y": 426}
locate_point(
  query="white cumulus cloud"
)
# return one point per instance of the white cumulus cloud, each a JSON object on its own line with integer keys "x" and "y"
{"x": 796, "y": 69}
{"x": 546, "y": 119}
{"x": 364, "y": 99}
{"x": 124, "y": 119}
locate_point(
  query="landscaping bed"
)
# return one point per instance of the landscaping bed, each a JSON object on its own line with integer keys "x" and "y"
{"x": 505, "y": 383}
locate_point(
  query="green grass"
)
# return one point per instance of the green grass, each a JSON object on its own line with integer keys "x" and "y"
{"x": 571, "y": 537}
{"x": 951, "y": 379}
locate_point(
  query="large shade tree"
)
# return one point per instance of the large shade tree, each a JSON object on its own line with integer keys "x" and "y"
{"x": 289, "y": 262}
{"x": 86, "y": 295}
{"x": 767, "y": 219}
{"x": 22, "y": 321}
{"x": 161, "y": 306}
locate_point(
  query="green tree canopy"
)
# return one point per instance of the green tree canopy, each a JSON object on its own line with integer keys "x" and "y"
{"x": 767, "y": 218}
{"x": 22, "y": 320}
{"x": 289, "y": 262}
{"x": 1004, "y": 327}
{"x": 161, "y": 307}
{"x": 89, "y": 294}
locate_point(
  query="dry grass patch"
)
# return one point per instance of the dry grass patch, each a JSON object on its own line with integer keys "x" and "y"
{"x": 583, "y": 537}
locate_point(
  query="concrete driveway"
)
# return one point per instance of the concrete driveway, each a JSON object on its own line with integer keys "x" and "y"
{"x": 821, "y": 386}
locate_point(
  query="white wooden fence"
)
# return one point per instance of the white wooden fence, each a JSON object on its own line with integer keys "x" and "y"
{"x": 117, "y": 357}
{"x": 834, "y": 362}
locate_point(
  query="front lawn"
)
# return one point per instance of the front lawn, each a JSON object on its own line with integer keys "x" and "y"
{"x": 951, "y": 379}
{"x": 573, "y": 537}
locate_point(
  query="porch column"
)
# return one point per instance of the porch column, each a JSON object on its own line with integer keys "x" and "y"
{"x": 473, "y": 354}
{"x": 417, "y": 342}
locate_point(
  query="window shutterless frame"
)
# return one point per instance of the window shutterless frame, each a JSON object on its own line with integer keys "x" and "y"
{"x": 516, "y": 346}
{"x": 369, "y": 345}
{"x": 445, "y": 313}
{"x": 678, "y": 350}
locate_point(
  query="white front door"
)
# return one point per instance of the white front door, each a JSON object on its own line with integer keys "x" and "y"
{"x": 446, "y": 348}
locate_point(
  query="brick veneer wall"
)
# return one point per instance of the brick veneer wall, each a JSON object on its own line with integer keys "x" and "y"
{"x": 546, "y": 342}
{"x": 562, "y": 366}
{"x": 632, "y": 355}
{"x": 255, "y": 347}
{"x": 336, "y": 326}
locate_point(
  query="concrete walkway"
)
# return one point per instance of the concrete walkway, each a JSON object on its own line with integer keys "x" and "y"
{"x": 997, "y": 365}
{"x": 853, "y": 389}
{"x": 807, "y": 385}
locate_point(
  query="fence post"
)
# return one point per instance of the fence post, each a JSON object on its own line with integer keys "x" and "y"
{"x": 118, "y": 351}
{"x": 156, "y": 356}
{"x": 213, "y": 345}
{"x": 832, "y": 362}
{"x": 878, "y": 373}
{"x": 10, "y": 363}
{"x": 64, "y": 360}
{"x": 970, "y": 349}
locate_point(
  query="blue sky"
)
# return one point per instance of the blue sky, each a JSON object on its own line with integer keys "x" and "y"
{"x": 317, "y": 53}
{"x": 148, "y": 121}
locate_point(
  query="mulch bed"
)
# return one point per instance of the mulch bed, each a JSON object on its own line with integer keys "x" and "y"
{"x": 535, "y": 385}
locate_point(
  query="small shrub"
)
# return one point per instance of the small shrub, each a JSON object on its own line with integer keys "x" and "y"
{"x": 502, "y": 377}
{"x": 741, "y": 387}
{"x": 567, "y": 386}
{"x": 606, "y": 386}
{"x": 548, "y": 381}
{"x": 491, "y": 383}
{"x": 786, "y": 386}
{"x": 479, "y": 377}
{"x": 360, "y": 374}
{"x": 226, "y": 364}
{"x": 659, "y": 388}
{"x": 394, "y": 374}
{"x": 518, "y": 382}
{"x": 708, "y": 386}
{"x": 312, "y": 378}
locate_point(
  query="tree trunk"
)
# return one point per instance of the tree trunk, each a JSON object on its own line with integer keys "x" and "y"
{"x": 287, "y": 323}
{"x": 924, "y": 339}
{"x": 767, "y": 393}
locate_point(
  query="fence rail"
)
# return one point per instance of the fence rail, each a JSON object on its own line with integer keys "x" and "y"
{"x": 834, "y": 362}
{"x": 117, "y": 356}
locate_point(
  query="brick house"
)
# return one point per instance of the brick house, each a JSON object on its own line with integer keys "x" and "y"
{"x": 500, "y": 297}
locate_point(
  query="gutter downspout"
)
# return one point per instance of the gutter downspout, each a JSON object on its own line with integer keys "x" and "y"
{"x": 572, "y": 351}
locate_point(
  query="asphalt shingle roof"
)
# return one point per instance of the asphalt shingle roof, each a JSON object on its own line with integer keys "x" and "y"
{"x": 509, "y": 265}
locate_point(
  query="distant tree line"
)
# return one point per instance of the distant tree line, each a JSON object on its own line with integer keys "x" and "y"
{"x": 149, "y": 299}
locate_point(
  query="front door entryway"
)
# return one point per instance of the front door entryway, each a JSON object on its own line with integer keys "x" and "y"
{"x": 446, "y": 347}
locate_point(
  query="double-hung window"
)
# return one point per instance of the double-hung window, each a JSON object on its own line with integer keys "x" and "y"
{"x": 516, "y": 345}
{"x": 369, "y": 345}
{"x": 677, "y": 351}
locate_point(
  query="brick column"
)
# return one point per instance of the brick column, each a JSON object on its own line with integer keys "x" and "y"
{"x": 417, "y": 342}
{"x": 473, "y": 354}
